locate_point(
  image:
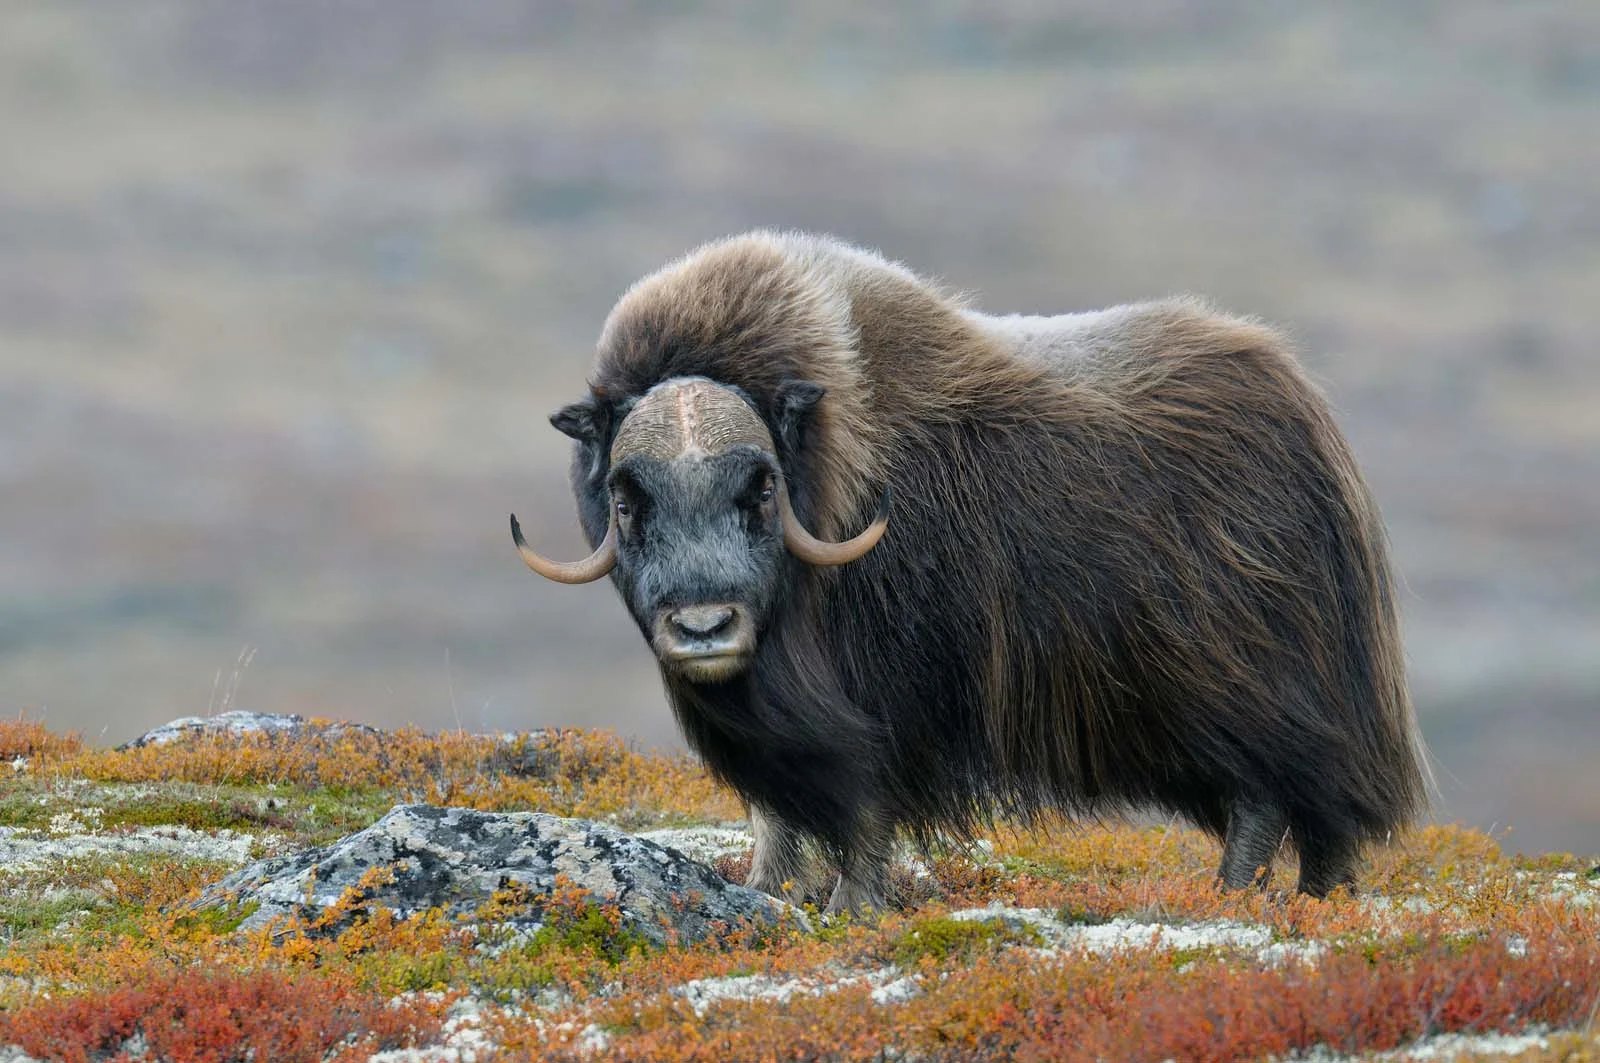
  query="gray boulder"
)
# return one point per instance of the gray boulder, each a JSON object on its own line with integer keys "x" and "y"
{"x": 234, "y": 722}
{"x": 455, "y": 858}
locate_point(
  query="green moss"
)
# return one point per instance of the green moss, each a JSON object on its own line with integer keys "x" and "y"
{"x": 943, "y": 938}
{"x": 529, "y": 965}
{"x": 27, "y": 803}
{"x": 196, "y": 814}
{"x": 592, "y": 932}
{"x": 224, "y": 919}
{"x": 514, "y": 972}
{"x": 1552, "y": 862}
{"x": 22, "y": 919}
{"x": 401, "y": 972}
{"x": 1053, "y": 870}
{"x": 1183, "y": 957}
{"x": 1385, "y": 951}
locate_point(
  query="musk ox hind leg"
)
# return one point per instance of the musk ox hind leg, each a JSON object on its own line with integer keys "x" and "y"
{"x": 1255, "y": 831}
{"x": 779, "y": 867}
{"x": 1327, "y": 859}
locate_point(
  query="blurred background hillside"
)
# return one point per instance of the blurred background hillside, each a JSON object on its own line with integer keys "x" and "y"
{"x": 288, "y": 289}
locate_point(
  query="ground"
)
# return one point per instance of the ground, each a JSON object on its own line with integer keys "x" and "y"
{"x": 1069, "y": 942}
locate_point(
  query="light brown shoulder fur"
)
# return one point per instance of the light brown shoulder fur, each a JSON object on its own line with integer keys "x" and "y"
{"x": 892, "y": 350}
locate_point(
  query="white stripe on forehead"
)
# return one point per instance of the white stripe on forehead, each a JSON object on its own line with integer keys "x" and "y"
{"x": 688, "y": 417}
{"x": 687, "y": 421}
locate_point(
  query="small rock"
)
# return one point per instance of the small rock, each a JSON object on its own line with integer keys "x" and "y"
{"x": 455, "y": 858}
{"x": 896, "y": 992}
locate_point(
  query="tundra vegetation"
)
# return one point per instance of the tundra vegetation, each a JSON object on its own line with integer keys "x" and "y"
{"x": 1067, "y": 942}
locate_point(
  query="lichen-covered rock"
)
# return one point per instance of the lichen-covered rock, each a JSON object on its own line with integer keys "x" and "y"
{"x": 233, "y": 722}
{"x": 456, "y": 858}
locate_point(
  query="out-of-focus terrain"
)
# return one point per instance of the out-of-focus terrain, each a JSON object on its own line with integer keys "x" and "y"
{"x": 287, "y": 291}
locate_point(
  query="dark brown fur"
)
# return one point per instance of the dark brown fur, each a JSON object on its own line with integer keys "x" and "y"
{"x": 1131, "y": 563}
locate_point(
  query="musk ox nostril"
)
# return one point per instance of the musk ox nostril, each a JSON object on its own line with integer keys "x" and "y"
{"x": 702, "y": 621}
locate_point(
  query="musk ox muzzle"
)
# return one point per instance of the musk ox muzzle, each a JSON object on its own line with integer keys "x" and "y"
{"x": 705, "y": 643}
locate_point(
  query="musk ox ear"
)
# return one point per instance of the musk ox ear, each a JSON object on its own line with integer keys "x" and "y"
{"x": 581, "y": 420}
{"x": 589, "y": 422}
{"x": 794, "y": 404}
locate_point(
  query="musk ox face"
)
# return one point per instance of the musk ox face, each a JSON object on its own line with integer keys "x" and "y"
{"x": 700, "y": 556}
{"x": 698, "y": 523}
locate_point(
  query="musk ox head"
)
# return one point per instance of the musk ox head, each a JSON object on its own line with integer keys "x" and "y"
{"x": 698, "y": 524}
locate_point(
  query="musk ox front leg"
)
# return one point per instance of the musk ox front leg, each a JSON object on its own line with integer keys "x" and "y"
{"x": 864, "y": 872}
{"x": 779, "y": 867}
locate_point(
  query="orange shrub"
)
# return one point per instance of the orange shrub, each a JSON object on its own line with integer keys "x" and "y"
{"x": 591, "y": 774}
{"x": 23, "y": 737}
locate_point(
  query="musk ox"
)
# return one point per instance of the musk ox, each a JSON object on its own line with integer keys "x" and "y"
{"x": 1129, "y": 562}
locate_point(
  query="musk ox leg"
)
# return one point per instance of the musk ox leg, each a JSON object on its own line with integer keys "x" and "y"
{"x": 1255, "y": 831}
{"x": 864, "y": 876}
{"x": 779, "y": 867}
{"x": 1327, "y": 860}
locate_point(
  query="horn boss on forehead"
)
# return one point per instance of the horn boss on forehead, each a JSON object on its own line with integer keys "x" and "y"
{"x": 686, "y": 417}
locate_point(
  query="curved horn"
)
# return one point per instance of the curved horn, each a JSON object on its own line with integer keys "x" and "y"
{"x": 814, "y": 551}
{"x": 588, "y": 570}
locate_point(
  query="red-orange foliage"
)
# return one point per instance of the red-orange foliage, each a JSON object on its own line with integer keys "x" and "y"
{"x": 22, "y": 737}
{"x": 1011, "y": 1005}
{"x": 197, "y": 1016}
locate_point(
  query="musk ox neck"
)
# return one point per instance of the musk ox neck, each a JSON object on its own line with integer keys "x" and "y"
{"x": 786, "y": 735}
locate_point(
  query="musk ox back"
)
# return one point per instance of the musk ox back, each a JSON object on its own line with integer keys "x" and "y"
{"x": 1129, "y": 562}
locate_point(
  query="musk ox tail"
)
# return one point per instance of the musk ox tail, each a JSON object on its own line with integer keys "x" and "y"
{"x": 1374, "y": 655}
{"x": 1376, "y": 779}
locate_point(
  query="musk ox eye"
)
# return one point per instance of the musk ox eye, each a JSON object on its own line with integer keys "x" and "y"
{"x": 623, "y": 509}
{"x": 768, "y": 489}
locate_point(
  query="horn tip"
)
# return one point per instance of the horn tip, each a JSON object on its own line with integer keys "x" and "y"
{"x": 884, "y": 503}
